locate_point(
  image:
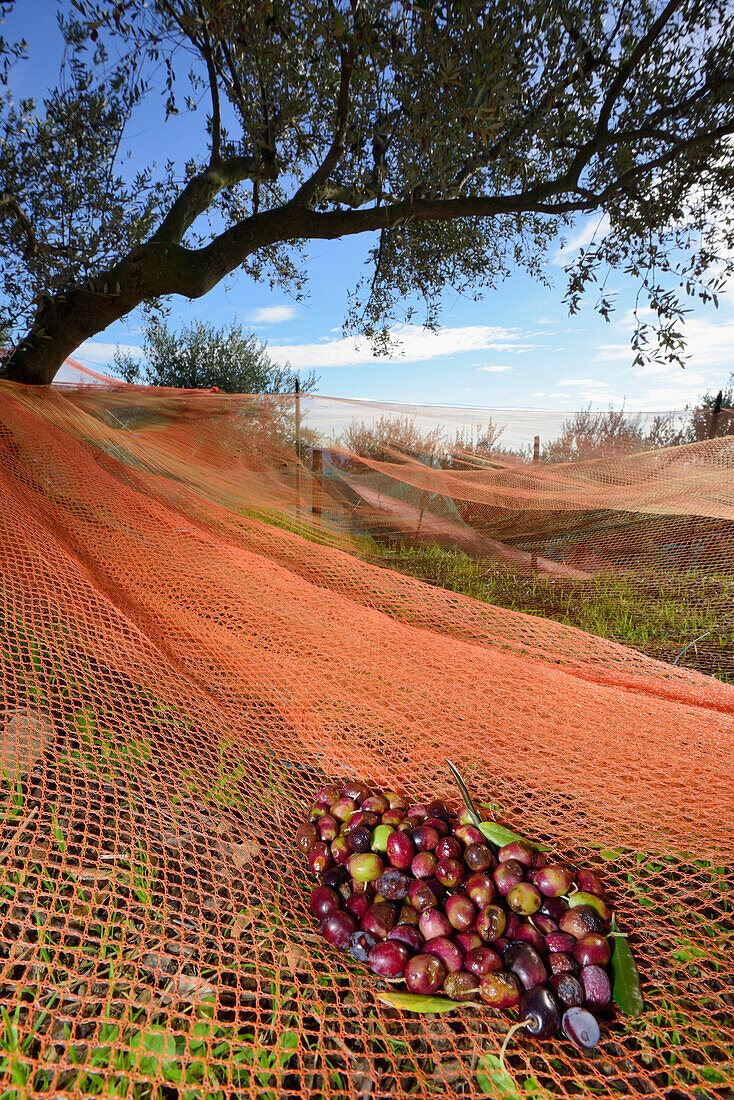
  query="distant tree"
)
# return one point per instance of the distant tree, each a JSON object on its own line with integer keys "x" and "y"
{"x": 388, "y": 438}
{"x": 713, "y": 415}
{"x": 464, "y": 137}
{"x": 201, "y": 356}
{"x": 588, "y": 435}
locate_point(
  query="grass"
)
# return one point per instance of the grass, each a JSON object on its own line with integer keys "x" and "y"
{"x": 660, "y": 615}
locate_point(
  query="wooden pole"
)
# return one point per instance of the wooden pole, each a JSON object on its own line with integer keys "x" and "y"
{"x": 298, "y": 445}
{"x": 318, "y": 466}
{"x": 533, "y": 547}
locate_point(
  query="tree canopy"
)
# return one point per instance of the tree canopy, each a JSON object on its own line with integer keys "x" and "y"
{"x": 464, "y": 134}
{"x": 200, "y": 356}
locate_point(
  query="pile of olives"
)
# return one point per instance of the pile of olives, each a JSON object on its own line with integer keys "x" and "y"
{"x": 421, "y": 896}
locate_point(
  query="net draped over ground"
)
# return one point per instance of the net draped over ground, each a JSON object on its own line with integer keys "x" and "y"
{"x": 193, "y": 643}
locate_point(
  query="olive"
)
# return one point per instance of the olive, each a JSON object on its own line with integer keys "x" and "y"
{"x": 421, "y": 896}
{"x": 524, "y": 899}
{"x": 518, "y": 851}
{"x": 539, "y": 1010}
{"x": 337, "y": 927}
{"x": 448, "y": 848}
{"x": 360, "y": 945}
{"x": 567, "y": 989}
{"x": 424, "y": 974}
{"x": 449, "y": 954}
{"x": 526, "y": 964}
{"x": 358, "y": 904}
{"x": 478, "y": 857}
{"x": 400, "y": 850}
{"x": 468, "y": 834}
{"x": 407, "y": 935}
{"x": 527, "y": 933}
{"x": 319, "y": 857}
{"x": 580, "y": 920}
{"x": 596, "y": 985}
{"x": 424, "y": 865}
{"x": 434, "y": 923}
{"x": 560, "y": 963}
{"x": 392, "y": 884}
{"x": 491, "y": 922}
{"x": 323, "y": 901}
{"x": 356, "y": 791}
{"x": 480, "y": 890}
{"x": 379, "y": 919}
{"x": 380, "y": 838}
{"x": 468, "y": 941}
{"x": 425, "y": 838}
{"x": 592, "y": 949}
{"x": 581, "y": 1028}
{"x": 365, "y": 867}
{"x": 449, "y": 872}
{"x": 359, "y": 839}
{"x": 481, "y": 961}
{"x": 461, "y": 986}
{"x": 590, "y": 883}
{"x": 500, "y": 990}
{"x": 306, "y": 837}
{"x": 582, "y": 898}
{"x": 376, "y": 804}
{"x": 560, "y": 941}
{"x": 507, "y": 875}
{"x": 388, "y": 959}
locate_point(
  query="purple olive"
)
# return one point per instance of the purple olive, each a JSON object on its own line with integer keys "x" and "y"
{"x": 449, "y": 872}
{"x": 323, "y": 901}
{"x": 407, "y": 935}
{"x": 483, "y": 961}
{"x": 435, "y": 887}
{"x": 596, "y": 986}
{"x": 554, "y": 908}
{"x": 358, "y": 904}
{"x": 379, "y": 919}
{"x": 343, "y": 809}
{"x": 592, "y": 949}
{"x": 424, "y": 974}
{"x": 433, "y": 923}
{"x": 590, "y": 883}
{"x": 480, "y": 890}
{"x": 491, "y": 922}
{"x": 560, "y": 941}
{"x": 417, "y": 813}
{"x": 560, "y": 963}
{"x": 356, "y": 791}
{"x": 461, "y": 912}
{"x": 421, "y": 896}
{"x": 448, "y": 848}
{"x": 334, "y": 876}
{"x": 395, "y": 801}
{"x": 468, "y": 835}
{"x": 526, "y": 964}
{"x": 554, "y": 880}
{"x": 524, "y": 899}
{"x": 506, "y": 876}
{"x": 362, "y": 819}
{"x": 340, "y": 850}
{"x": 526, "y": 933}
{"x": 446, "y": 951}
{"x": 393, "y": 817}
{"x": 365, "y": 867}
{"x": 425, "y": 838}
{"x": 306, "y": 837}
{"x": 581, "y": 920}
{"x": 376, "y": 804}
{"x": 329, "y": 794}
{"x": 319, "y": 857}
{"x": 328, "y": 827}
{"x": 337, "y": 927}
{"x": 544, "y": 924}
{"x": 523, "y": 853}
{"x": 360, "y": 945}
{"x": 317, "y": 811}
{"x": 567, "y": 989}
{"x": 438, "y": 808}
{"x": 388, "y": 959}
{"x": 400, "y": 851}
{"x": 513, "y": 926}
{"x": 359, "y": 839}
{"x": 424, "y": 865}
{"x": 539, "y": 1009}
{"x": 392, "y": 885}
{"x": 581, "y": 1028}
{"x": 478, "y": 857}
{"x": 461, "y": 986}
{"x": 468, "y": 941}
{"x": 436, "y": 823}
{"x": 500, "y": 990}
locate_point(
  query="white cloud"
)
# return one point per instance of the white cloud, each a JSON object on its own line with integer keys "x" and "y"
{"x": 592, "y": 228}
{"x": 496, "y": 368}
{"x": 272, "y": 315}
{"x": 93, "y": 353}
{"x": 580, "y": 382}
{"x": 414, "y": 345}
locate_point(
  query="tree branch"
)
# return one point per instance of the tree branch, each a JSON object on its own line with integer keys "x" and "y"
{"x": 309, "y": 189}
{"x": 9, "y": 203}
{"x": 626, "y": 70}
{"x": 214, "y": 89}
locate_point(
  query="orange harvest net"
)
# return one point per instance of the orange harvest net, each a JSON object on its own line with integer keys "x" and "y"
{"x": 193, "y": 642}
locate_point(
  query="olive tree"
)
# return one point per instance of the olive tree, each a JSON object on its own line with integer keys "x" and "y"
{"x": 462, "y": 135}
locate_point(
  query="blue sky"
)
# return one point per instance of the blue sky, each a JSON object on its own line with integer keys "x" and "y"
{"x": 516, "y": 348}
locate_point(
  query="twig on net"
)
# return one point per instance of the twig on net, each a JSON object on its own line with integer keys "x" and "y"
{"x": 18, "y": 834}
{"x": 675, "y": 662}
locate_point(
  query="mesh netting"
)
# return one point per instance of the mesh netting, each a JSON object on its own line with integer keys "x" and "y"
{"x": 193, "y": 643}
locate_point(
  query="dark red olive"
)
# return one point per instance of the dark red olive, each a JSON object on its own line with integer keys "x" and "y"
{"x": 323, "y": 901}
{"x": 567, "y": 989}
{"x": 358, "y": 904}
{"x": 409, "y": 937}
{"x": 559, "y": 963}
{"x": 425, "y": 838}
{"x": 446, "y": 951}
{"x": 421, "y": 896}
{"x": 596, "y": 986}
{"x": 400, "y": 850}
{"x": 560, "y": 941}
{"x": 424, "y": 865}
{"x": 468, "y": 941}
{"x": 392, "y": 885}
{"x": 448, "y": 848}
{"x": 424, "y": 974}
{"x": 388, "y": 959}
{"x": 306, "y": 837}
{"x": 592, "y": 949}
{"x": 434, "y": 923}
{"x": 438, "y": 809}
{"x": 337, "y": 927}
{"x": 379, "y": 919}
{"x": 539, "y": 1008}
{"x": 478, "y": 857}
{"x": 481, "y": 961}
{"x": 523, "y": 853}
{"x": 526, "y": 964}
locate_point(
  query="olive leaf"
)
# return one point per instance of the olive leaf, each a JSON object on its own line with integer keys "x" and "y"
{"x": 626, "y": 989}
{"x": 415, "y": 1002}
